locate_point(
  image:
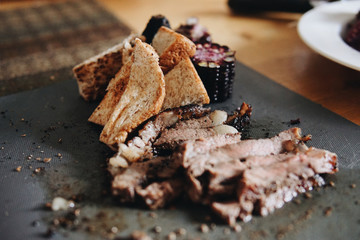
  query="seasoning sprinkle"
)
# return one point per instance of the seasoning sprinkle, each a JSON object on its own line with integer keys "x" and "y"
{"x": 227, "y": 231}
{"x": 153, "y": 215}
{"x": 328, "y": 211}
{"x": 38, "y": 170}
{"x": 308, "y": 195}
{"x": 181, "y": 231}
{"x": 48, "y": 205}
{"x": 157, "y": 229}
{"x": 204, "y": 228}
{"x": 212, "y": 226}
{"x": 77, "y": 212}
{"x": 237, "y": 228}
{"x": 171, "y": 236}
{"x": 90, "y": 228}
{"x": 114, "y": 229}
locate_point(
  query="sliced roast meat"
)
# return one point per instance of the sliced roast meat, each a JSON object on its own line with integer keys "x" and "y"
{"x": 140, "y": 146}
{"x": 184, "y": 130}
{"x": 238, "y": 151}
{"x": 265, "y": 188}
{"x": 127, "y": 181}
{"x": 216, "y": 123}
{"x": 236, "y": 178}
{"x": 192, "y": 129}
{"x": 151, "y": 179}
{"x": 160, "y": 194}
{"x": 215, "y": 173}
{"x": 270, "y": 181}
{"x": 192, "y": 148}
{"x": 228, "y": 211}
{"x": 165, "y": 131}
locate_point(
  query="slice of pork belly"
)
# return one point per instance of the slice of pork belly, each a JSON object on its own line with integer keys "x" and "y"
{"x": 264, "y": 188}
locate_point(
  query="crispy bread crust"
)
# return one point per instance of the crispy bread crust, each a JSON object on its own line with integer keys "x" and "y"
{"x": 184, "y": 86}
{"x": 115, "y": 90}
{"x": 172, "y": 48}
{"x": 94, "y": 74}
{"x": 143, "y": 97}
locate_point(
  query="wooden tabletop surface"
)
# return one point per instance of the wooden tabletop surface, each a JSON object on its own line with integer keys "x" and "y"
{"x": 267, "y": 42}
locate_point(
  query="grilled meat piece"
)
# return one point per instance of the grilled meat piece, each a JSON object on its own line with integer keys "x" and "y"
{"x": 164, "y": 132}
{"x": 154, "y": 181}
{"x": 217, "y": 122}
{"x": 228, "y": 211}
{"x": 160, "y": 194}
{"x": 263, "y": 189}
{"x": 129, "y": 182}
{"x": 197, "y": 165}
{"x": 240, "y": 117}
{"x": 270, "y": 181}
{"x": 140, "y": 146}
{"x": 215, "y": 174}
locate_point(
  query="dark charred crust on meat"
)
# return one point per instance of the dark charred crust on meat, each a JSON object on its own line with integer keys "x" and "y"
{"x": 240, "y": 118}
{"x": 183, "y": 113}
{"x": 236, "y": 178}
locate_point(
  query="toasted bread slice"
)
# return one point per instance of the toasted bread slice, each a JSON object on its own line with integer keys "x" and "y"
{"x": 115, "y": 90}
{"x": 183, "y": 86}
{"x": 143, "y": 96}
{"x": 94, "y": 74}
{"x": 172, "y": 47}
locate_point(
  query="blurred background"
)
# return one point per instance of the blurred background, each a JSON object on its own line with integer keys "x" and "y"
{"x": 46, "y": 38}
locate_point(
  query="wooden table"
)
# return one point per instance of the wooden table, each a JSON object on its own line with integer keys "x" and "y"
{"x": 268, "y": 43}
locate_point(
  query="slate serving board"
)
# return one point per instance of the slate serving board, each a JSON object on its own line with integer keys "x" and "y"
{"x": 51, "y": 122}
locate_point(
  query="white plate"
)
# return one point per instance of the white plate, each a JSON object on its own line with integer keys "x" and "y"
{"x": 322, "y": 27}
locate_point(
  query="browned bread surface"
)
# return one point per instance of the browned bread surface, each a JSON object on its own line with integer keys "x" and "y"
{"x": 115, "y": 90}
{"x": 172, "y": 47}
{"x": 184, "y": 86}
{"x": 94, "y": 74}
{"x": 141, "y": 99}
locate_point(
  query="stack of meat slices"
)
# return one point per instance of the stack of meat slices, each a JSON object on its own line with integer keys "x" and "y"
{"x": 235, "y": 178}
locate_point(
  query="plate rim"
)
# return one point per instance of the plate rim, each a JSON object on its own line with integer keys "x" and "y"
{"x": 306, "y": 32}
